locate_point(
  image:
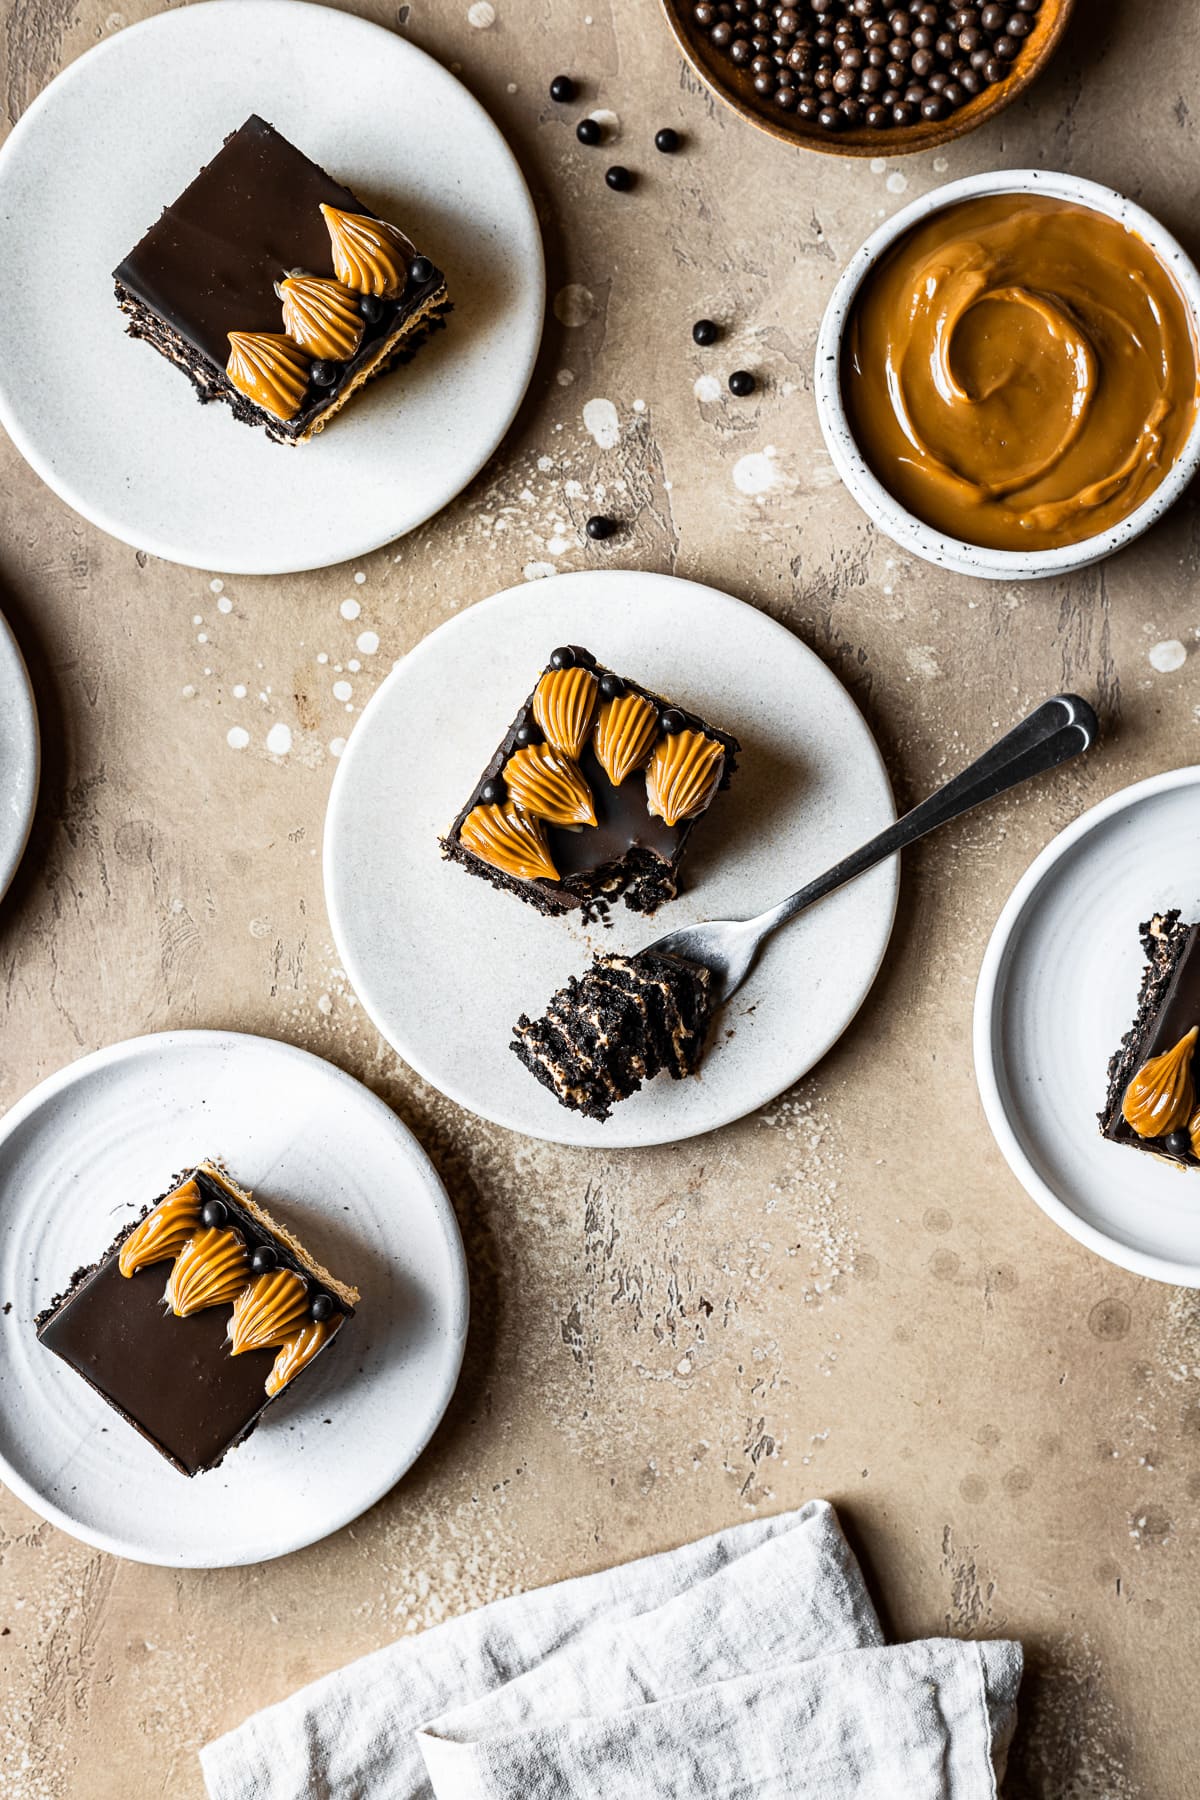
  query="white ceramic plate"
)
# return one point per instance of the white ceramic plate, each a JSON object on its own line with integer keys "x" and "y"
{"x": 113, "y": 428}
{"x": 444, "y": 963}
{"x": 108, "y": 1133}
{"x": 1058, "y": 991}
{"x": 19, "y": 756}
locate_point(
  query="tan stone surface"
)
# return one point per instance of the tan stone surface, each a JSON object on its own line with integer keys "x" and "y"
{"x": 845, "y": 1295}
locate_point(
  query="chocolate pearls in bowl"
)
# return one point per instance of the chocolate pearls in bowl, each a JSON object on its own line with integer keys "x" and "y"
{"x": 864, "y": 78}
{"x": 1007, "y": 374}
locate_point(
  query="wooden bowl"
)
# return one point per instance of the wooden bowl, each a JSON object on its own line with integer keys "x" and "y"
{"x": 735, "y": 88}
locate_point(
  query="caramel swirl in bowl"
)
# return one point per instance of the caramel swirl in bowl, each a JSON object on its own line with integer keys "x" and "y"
{"x": 1020, "y": 372}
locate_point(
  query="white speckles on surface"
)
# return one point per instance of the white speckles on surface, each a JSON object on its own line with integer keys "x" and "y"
{"x": 707, "y": 389}
{"x": 538, "y": 571}
{"x": 639, "y": 406}
{"x": 557, "y": 545}
{"x": 1167, "y": 656}
{"x": 224, "y": 604}
{"x": 359, "y": 577}
{"x": 279, "y": 739}
{"x": 237, "y": 737}
{"x": 574, "y": 305}
{"x": 940, "y": 165}
{"x": 481, "y": 14}
{"x": 351, "y": 608}
{"x": 608, "y": 121}
{"x": 239, "y": 690}
{"x": 342, "y": 690}
{"x": 368, "y": 642}
{"x": 922, "y": 660}
{"x": 565, "y": 377}
{"x": 604, "y": 426}
{"x": 336, "y": 746}
{"x": 216, "y": 585}
{"x": 757, "y": 472}
{"x": 897, "y": 182}
{"x": 878, "y": 165}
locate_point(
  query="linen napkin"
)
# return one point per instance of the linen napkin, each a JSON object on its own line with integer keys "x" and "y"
{"x": 749, "y": 1664}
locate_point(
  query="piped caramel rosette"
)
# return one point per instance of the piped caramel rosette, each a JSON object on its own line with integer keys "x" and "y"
{"x": 369, "y": 255}
{"x": 564, "y": 705}
{"x": 163, "y": 1233}
{"x": 321, "y": 316}
{"x": 509, "y": 840}
{"x": 625, "y": 734}
{"x": 544, "y": 782}
{"x": 683, "y": 775}
{"x": 1161, "y": 1097}
{"x": 268, "y": 368}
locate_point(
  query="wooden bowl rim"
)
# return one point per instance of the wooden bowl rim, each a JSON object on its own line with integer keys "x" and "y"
{"x": 904, "y": 140}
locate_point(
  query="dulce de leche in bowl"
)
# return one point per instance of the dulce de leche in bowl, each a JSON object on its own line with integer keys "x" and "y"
{"x": 1019, "y": 371}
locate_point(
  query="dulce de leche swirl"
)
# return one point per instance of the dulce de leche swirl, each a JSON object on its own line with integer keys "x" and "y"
{"x": 1020, "y": 372}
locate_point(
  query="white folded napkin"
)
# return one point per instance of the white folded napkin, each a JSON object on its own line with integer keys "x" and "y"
{"x": 749, "y": 1664}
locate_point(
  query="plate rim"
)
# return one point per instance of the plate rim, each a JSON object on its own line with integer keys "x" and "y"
{"x": 125, "y": 1049}
{"x": 8, "y": 872}
{"x": 349, "y": 961}
{"x": 1176, "y": 1273}
{"x": 95, "y": 515}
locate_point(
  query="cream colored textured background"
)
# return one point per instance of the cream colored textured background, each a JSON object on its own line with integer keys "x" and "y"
{"x": 846, "y": 1294}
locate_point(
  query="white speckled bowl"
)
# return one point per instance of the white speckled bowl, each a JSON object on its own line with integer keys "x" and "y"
{"x": 887, "y": 512}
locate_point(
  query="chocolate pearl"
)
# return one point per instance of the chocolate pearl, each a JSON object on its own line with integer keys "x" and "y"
{"x": 322, "y": 1308}
{"x": 850, "y": 110}
{"x": 937, "y": 81}
{"x": 527, "y": 733}
{"x": 562, "y": 90}
{"x": 611, "y": 686}
{"x": 619, "y": 179}
{"x": 742, "y": 382}
{"x": 1027, "y": 6}
{"x": 704, "y": 14}
{"x": 894, "y": 75}
{"x": 1005, "y": 48}
{"x": 945, "y": 46}
{"x": 915, "y": 94}
{"x": 1017, "y": 26}
{"x": 764, "y": 83}
{"x": 797, "y": 58}
{"x": 371, "y": 308}
{"x": 760, "y": 46}
{"x": 902, "y": 113}
{"x": 264, "y": 1258}
{"x": 993, "y": 18}
{"x": 705, "y": 332}
{"x": 845, "y": 81}
{"x": 922, "y": 39}
{"x": 823, "y": 40}
{"x": 934, "y": 107}
{"x": 739, "y": 53}
{"x": 877, "y": 56}
{"x": 900, "y": 50}
{"x": 970, "y": 38}
{"x": 420, "y": 270}
{"x": 808, "y": 106}
{"x": 588, "y": 131}
{"x": 970, "y": 82}
{"x": 493, "y": 793}
{"x": 994, "y": 71}
{"x": 323, "y": 373}
{"x": 877, "y": 33}
{"x": 721, "y": 35}
{"x": 672, "y": 721}
{"x": 761, "y": 65}
{"x": 980, "y": 58}
{"x": 787, "y": 21}
{"x": 785, "y": 99}
{"x": 563, "y": 657}
{"x": 599, "y": 527}
{"x": 873, "y": 80}
{"x": 899, "y": 23}
{"x": 853, "y": 59}
{"x": 928, "y": 16}
{"x": 831, "y": 119}
{"x": 921, "y": 64}
{"x": 1179, "y": 1143}
{"x": 953, "y": 94}
{"x": 214, "y": 1214}
{"x": 878, "y": 117}
{"x": 760, "y": 21}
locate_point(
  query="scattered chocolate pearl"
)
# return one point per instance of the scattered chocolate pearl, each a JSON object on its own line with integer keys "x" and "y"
{"x": 493, "y": 792}
{"x": 741, "y": 383}
{"x": 705, "y": 332}
{"x": 322, "y": 1308}
{"x": 611, "y": 686}
{"x": 371, "y": 308}
{"x": 263, "y": 1260}
{"x": 599, "y": 527}
{"x": 527, "y": 733}
{"x": 562, "y": 90}
{"x": 563, "y": 657}
{"x": 323, "y": 374}
{"x": 672, "y": 721}
{"x": 214, "y": 1214}
{"x": 668, "y": 140}
{"x": 588, "y": 132}
{"x": 420, "y": 270}
{"x": 1179, "y": 1143}
{"x": 844, "y": 63}
{"x": 619, "y": 179}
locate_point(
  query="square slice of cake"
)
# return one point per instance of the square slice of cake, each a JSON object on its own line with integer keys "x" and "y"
{"x": 594, "y": 792}
{"x": 1152, "y": 1101}
{"x": 192, "y": 1355}
{"x": 275, "y": 289}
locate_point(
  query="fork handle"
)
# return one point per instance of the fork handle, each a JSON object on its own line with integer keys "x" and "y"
{"x": 1054, "y": 732}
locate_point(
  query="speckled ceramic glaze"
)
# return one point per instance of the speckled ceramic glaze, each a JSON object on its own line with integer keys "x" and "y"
{"x": 900, "y": 525}
{"x": 19, "y": 756}
{"x": 1057, "y": 992}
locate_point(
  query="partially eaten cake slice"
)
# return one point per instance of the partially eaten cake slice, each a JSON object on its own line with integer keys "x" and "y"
{"x": 623, "y": 1022}
{"x": 193, "y": 1364}
{"x": 594, "y": 791}
{"x": 1152, "y": 1102}
{"x": 275, "y": 289}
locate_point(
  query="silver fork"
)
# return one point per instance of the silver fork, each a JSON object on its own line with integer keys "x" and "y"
{"x": 1057, "y": 730}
